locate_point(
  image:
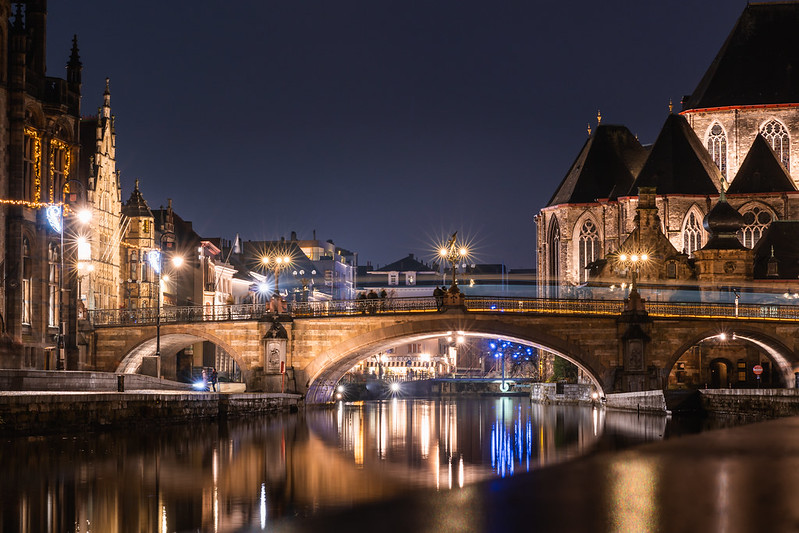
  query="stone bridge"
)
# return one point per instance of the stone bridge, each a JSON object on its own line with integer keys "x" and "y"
{"x": 620, "y": 347}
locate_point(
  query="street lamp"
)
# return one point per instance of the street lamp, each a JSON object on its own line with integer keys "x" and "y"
{"x": 633, "y": 262}
{"x": 278, "y": 262}
{"x": 453, "y": 252}
{"x": 156, "y": 259}
{"x": 55, "y": 216}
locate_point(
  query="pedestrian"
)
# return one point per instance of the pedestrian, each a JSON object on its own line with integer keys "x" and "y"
{"x": 214, "y": 379}
{"x": 205, "y": 379}
{"x": 371, "y": 297}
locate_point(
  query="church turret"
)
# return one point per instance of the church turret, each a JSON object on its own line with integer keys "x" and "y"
{"x": 723, "y": 261}
{"x": 36, "y": 24}
{"x": 74, "y": 66}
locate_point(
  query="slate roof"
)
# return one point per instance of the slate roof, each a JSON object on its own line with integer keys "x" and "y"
{"x": 406, "y": 264}
{"x": 136, "y": 206}
{"x": 757, "y": 64}
{"x": 678, "y": 163}
{"x": 761, "y": 171}
{"x": 605, "y": 168}
{"x": 723, "y": 223}
{"x": 781, "y": 236}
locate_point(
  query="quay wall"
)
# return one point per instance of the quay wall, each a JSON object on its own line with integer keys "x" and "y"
{"x": 53, "y": 412}
{"x": 754, "y": 403}
{"x": 561, "y": 393}
{"x": 651, "y": 401}
{"x": 76, "y": 380}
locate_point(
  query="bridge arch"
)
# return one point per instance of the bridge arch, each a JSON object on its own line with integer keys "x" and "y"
{"x": 173, "y": 339}
{"x": 785, "y": 359}
{"x": 327, "y": 368}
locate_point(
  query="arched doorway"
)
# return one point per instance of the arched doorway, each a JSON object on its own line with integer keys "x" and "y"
{"x": 720, "y": 372}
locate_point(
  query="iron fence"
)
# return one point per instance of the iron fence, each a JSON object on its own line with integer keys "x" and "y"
{"x": 384, "y": 306}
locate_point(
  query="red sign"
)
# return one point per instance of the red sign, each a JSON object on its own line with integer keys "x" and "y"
{"x": 757, "y": 369}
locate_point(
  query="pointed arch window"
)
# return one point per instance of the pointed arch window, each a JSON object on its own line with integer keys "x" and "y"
{"x": 554, "y": 257}
{"x": 691, "y": 234}
{"x": 27, "y": 282}
{"x": 776, "y": 134}
{"x": 717, "y": 147}
{"x": 53, "y": 260}
{"x": 756, "y": 220}
{"x": 588, "y": 242}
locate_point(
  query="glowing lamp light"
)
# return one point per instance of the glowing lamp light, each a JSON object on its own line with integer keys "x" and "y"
{"x": 54, "y": 218}
{"x": 84, "y": 249}
{"x": 154, "y": 258}
{"x": 85, "y": 216}
{"x": 644, "y": 257}
{"x": 443, "y": 252}
{"x": 263, "y": 288}
{"x": 623, "y": 257}
{"x": 463, "y": 251}
{"x": 395, "y": 387}
{"x": 340, "y": 388}
{"x": 634, "y": 258}
{"x": 177, "y": 261}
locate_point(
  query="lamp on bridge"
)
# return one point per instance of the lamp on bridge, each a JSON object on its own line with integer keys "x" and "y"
{"x": 633, "y": 262}
{"x": 453, "y": 252}
{"x": 156, "y": 259}
{"x": 277, "y": 261}
{"x": 56, "y": 217}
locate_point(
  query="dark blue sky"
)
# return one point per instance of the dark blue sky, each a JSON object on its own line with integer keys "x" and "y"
{"x": 384, "y": 125}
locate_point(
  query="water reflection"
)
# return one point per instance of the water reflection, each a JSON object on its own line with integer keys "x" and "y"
{"x": 248, "y": 473}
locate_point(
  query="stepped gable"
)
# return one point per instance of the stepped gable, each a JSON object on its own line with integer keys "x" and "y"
{"x": 779, "y": 239}
{"x": 136, "y": 206}
{"x": 678, "y": 163}
{"x": 605, "y": 167}
{"x": 761, "y": 171}
{"x": 757, "y": 64}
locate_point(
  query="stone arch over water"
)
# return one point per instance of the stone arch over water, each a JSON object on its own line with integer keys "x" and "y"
{"x": 322, "y": 374}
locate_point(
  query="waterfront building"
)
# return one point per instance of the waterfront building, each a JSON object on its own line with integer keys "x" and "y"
{"x": 736, "y": 131}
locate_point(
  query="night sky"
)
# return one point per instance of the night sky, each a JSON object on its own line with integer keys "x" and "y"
{"x": 383, "y": 125}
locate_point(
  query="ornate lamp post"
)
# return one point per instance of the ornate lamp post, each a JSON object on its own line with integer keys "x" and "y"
{"x": 453, "y": 252}
{"x": 277, "y": 261}
{"x": 156, "y": 260}
{"x": 55, "y": 216}
{"x": 633, "y": 262}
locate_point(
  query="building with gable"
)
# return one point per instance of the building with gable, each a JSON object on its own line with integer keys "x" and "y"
{"x": 735, "y": 132}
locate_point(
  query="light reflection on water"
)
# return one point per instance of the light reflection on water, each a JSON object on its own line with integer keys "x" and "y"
{"x": 246, "y": 473}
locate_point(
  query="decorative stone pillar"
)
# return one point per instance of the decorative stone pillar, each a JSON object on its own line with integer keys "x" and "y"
{"x": 275, "y": 346}
{"x": 634, "y": 342}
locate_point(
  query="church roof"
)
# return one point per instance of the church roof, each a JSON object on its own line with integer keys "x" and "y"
{"x": 761, "y": 171}
{"x": 758, "y": 63}
{"x": 136, "y": 206}
{"x": 781, "y": 238}
{"x": 406, "y": 264}
{"x": 605, "y": 167}
{"x": 678, "y": 163}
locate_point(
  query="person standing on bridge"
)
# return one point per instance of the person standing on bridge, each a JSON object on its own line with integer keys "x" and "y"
{"x": 214, "y": 379}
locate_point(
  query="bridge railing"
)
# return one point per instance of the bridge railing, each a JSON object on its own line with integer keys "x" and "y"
{"x": 382, "y": 306}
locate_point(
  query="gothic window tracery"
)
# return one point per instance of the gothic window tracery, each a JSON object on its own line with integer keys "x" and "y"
{"x": 756, "y": 220}
{"x": 588, "y": 243}
{"x": 717, "y": 147}
{"x": 776, "y": 134}
{"x": 691, "y": 234}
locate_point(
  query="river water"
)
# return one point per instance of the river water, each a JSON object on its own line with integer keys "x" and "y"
{"x": 247, "y": 474}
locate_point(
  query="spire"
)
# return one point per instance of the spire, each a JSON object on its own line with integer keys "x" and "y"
{"x": 589, "y": 129}
{"x": 106, "y": 113}
{"x": 598, "y": 117}
{"x": 74, "y": 66}
{"x": 671, "y": 107}
{"x": 18, "y": 18}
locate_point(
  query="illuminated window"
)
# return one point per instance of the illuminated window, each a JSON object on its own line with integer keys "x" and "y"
{"x": 53, "y": 260}
{"x": 691, "y": 234}
{"x": 589, "y": 248}
{"x": 58, "y": 168}
{"x": 145, "y": 227}
{"x": 27, "y": 290}
{"x": 28, "y": 166}
{"x": 393, "y": 278}
{"x": 776, "y": 134}
{"x": 756, "y": 220}
{"x": 717, "y": 147}
{"x": 554, "y": 256}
